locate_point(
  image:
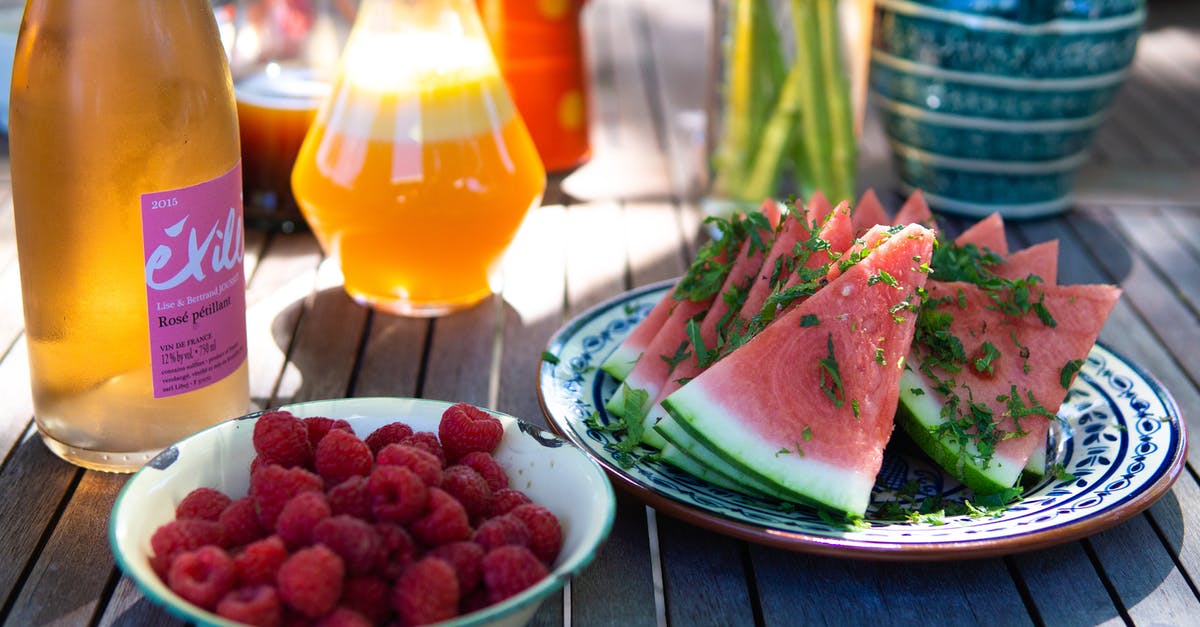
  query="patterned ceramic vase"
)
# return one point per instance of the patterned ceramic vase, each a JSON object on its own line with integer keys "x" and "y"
{"x": 990, "y": 105}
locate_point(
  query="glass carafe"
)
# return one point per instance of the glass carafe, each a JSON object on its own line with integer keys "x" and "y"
{"x": 418, "y": 169}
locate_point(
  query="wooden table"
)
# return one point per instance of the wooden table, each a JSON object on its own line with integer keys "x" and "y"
{"x": 628, "y": 219}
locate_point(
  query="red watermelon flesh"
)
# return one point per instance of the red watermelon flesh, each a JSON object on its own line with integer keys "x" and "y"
{"x": 868, "y": 212}
{"x": 796, "y": 227}
{"x": 808, "y": 404}
{"x": 1029, "y": 355}
{"x": 622, "y": 359}
{"x": 1040, "y": 260}
{"x": 836, "y": 232}
{"x": 987, "y": 235}
{"x": 715, "y": 323}
{"x": 915, "y": 211}
{"x": 671, "y": 344}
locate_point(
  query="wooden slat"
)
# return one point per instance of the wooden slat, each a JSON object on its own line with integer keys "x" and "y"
{"x": 391, "y": 360}
{"x": 68, "y": 580}
{"x": 1065, "y": 588}
{"x": 36, "y": 482}
{"x": 534, "y": 288}
{"x": 1156, "y": 592}
{"x": 128, "y": 608}
{"x": 282, "y": 280}
{"x": 618, "y": 589}
{"x": 704, "y": 576}
{"x": 944, "y": 593}
{"x": 322, "y": 360}
{"x": 16, "y": 413}
{"x": 1176, "y": 518}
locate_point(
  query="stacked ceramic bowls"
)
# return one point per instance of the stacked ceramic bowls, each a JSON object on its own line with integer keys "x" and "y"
{"x": 991, "y": 105}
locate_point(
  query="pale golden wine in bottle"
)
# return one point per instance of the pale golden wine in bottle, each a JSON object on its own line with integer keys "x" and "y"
{"x": 126, "y": 189}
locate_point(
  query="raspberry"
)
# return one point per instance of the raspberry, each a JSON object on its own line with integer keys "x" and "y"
{"x": 318, "y": 426}
{"x": 388, "y": 434}
{"x": 397, "y": 494}
{"x": 469, "y": 487}
{"x": 398, "y": 550}
{"x": 343, "y": 617}
{"x": 202, "y": 503}
{"x": 355, "y": 541}
{"x": 298, "y": 518}
{"x": 281, "y": 438}
{"x": 465, "y": 558}
{"x": 502, "y": 531}
{"x": 445, "y": 522}
{"x": 310, "y": 581}
{"x": 427, "y": 441}
{"x": 273, "y": 486}
{"x": 367, "y": 596}
{"x": 503, "y": 501}
{"x": 545, "y": 534}
{"x": 350, "y": 497}
{"x": 465, "y": 428}
{"x": 202, "y": 576}
{"x": 179, "y": 536}
{"x": 259, "y": 562}
{"x": 341, "y": 455}
{"x": 255, "y": 605}
{"x": 510, "y": 569}
{"x": 488, "y": 468}
{"x": 239, "y": 523}
{"x": 425, "y": 464}
{"x": 427, "y": 592}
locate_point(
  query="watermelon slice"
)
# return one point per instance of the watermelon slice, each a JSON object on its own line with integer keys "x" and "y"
{"x": 1040, "y": 260}
{"x": 987, "y": 235}
{"x": 915, "y": 211}
{"x": 621, "y": 360}
{"x": 813, "y": 418}
{"x": 868, "y": 212}
{"x": 833, "y": 236}
{"x": 671, "y": 346}
{"x": 980, "y": 410}
{"x": 796, "y": 227}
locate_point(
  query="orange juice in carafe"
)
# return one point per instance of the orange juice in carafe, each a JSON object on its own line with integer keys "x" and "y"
{"x": 124, "y": 144}
{"x": 418, "y": 170}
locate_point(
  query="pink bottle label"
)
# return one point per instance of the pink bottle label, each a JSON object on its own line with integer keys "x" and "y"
{"x": 195, "y": 286}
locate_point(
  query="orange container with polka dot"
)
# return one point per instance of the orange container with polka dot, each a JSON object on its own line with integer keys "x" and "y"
{"x": 539, "y": 47}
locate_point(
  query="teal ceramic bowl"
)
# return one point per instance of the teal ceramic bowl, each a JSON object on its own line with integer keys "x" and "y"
{"x": 991, "y": 105}
{"x": 548, "y": 469}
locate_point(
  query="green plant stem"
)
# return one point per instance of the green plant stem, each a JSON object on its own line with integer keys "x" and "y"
{"x": 814, "y": 133}
{"x": 766, "y": 166}
{"x": 843, "y": 147}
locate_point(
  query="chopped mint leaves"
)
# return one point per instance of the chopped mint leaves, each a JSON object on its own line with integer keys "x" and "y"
{"x": 831, "y": 379}
{"x": 1068, "y": 372}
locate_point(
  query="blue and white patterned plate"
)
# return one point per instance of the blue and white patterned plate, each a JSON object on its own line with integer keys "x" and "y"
{"x": 1120, "y": 441}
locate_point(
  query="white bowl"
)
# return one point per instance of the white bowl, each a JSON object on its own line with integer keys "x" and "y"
{"x": 548, "y": 469}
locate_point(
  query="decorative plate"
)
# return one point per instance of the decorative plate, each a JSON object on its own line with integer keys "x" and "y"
{"x": 1119, "y": 441}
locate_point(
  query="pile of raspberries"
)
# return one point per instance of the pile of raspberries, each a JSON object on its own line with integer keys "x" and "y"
{"x": 397, "y": 528}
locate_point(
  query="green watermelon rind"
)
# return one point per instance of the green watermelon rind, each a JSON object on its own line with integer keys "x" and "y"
{"x": 920, "y": 414}
{"x": 620, "y": 362}
{"x": 681, "y": 439}
{"x": 616, "y": 406}
{"x": 792, "y": 477}
{"x": 680, "y": 459}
